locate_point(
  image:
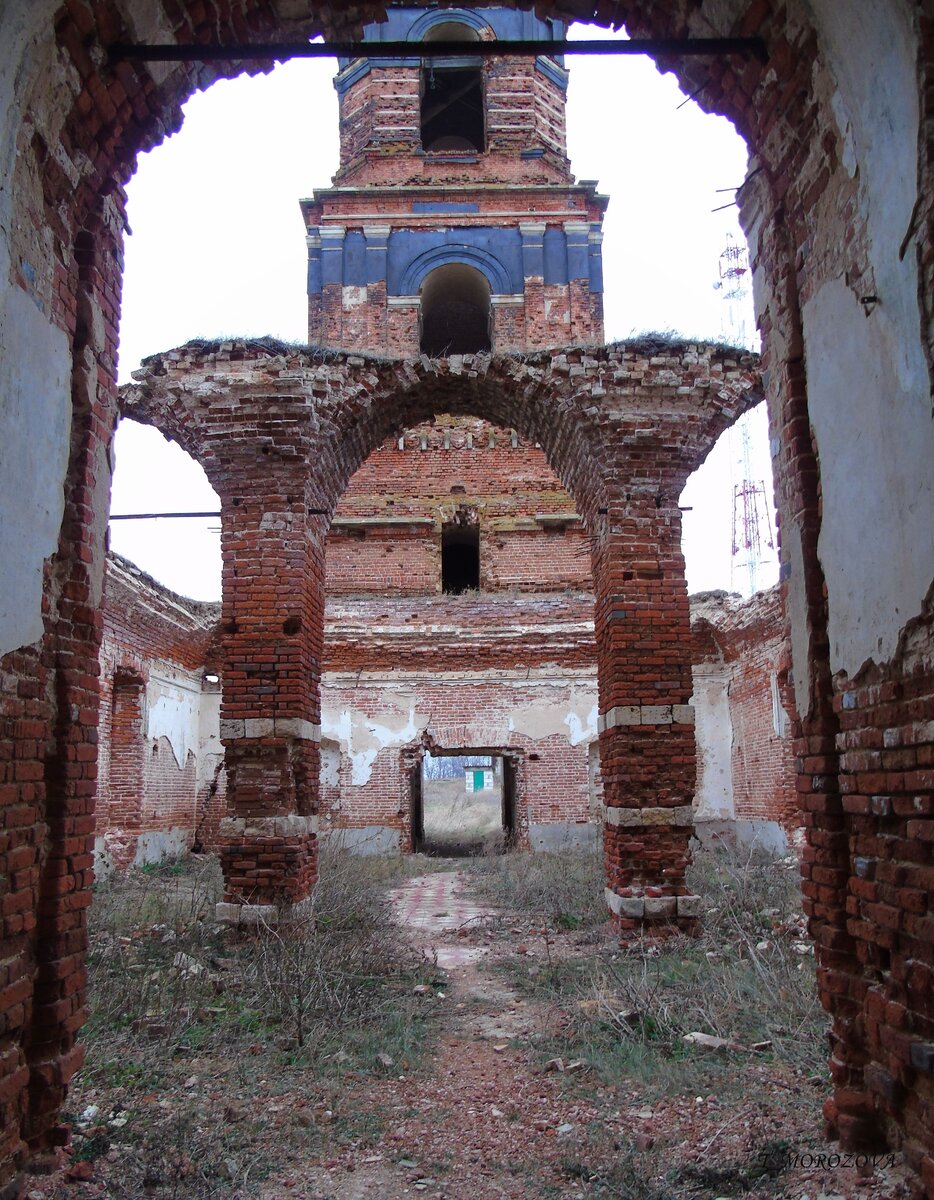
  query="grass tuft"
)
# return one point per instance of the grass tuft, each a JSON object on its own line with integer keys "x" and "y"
{"x": 749, "y": 977}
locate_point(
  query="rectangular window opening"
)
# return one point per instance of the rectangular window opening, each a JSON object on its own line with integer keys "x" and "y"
{"x": 460, "y": 559}
{"x": 452, "y": 110}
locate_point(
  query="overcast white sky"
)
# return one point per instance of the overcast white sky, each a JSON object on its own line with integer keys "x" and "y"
{"x": 218, "y": 249}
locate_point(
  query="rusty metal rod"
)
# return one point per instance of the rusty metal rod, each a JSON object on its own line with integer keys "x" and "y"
{"x": 280, "y": 51}
{"x": 155, "y": 516}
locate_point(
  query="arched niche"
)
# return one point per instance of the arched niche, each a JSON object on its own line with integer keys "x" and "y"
{"x": 455, "y": 311}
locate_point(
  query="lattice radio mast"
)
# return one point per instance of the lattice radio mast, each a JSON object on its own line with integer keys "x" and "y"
{"x": 752, "y": 524}
{"x": 734, "y": 274}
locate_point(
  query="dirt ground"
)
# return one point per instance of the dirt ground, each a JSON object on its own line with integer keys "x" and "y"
{"x": 483, "y": 1114}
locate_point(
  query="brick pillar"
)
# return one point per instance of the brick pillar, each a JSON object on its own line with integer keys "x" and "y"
{"x": 332, "y": 289}
{"x": 646, "y": 724}
{"x": 507, "y": 322}
{"x": 49, "y": 930}
{"x": 402, "y": 325}
{"x": 127, "y": 747}
{"x": 272, "y": 629}
{"x": 831, "y": 896}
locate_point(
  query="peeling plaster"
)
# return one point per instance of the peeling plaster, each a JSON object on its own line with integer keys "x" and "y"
{"x": 714, "y": 730}
{"x": 35, "y": 424}
{"x": 362, "y": 738}
{"x": 876, "y": 475}
{"x": 868, "y": 384}
{"x": 394, "y": 721}
{"x": 545, "y": 719}
{"x": 173, "y": 711}
{"x": 35, "y": 360}
{"x": 582, "y": 731}
{"x": 799, "y": 620}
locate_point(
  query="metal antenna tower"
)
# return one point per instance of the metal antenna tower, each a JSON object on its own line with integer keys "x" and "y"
{"x": 734, "y": 271}
{"x": 752, "y": 524}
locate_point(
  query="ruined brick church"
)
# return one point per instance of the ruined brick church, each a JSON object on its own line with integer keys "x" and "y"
{"x": 457, "y": 434}
{"x": 457, "y": 575}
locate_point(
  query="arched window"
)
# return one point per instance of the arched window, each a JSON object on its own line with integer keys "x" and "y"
{"x": 452, "y": 97}
{"x": 455, "y": 315}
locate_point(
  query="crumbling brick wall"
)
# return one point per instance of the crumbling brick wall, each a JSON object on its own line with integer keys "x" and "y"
{"x": 498, "y": 673}
{"x": 385, "y": 536}
{"x": 156, "y": 709}
{"x": 742, "y": 645}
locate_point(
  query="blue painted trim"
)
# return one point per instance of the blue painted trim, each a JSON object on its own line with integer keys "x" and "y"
{"x": 442, "y": 206}
{"x": 440, "y": 256}
{"x": 355, "y": 260}
{"x": 348, "y": 76}
{"x": 421, "y": 25}
{"x": 555, "y": 256}
{"x": 550, "y": 69}
{"x": 595, "y": 256}
{"x": 535, "y": 152}
{"x": 345, "y": 79}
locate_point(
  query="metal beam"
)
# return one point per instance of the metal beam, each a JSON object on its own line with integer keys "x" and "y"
{"x": 280, "y": 51}
{"x": 155, "y": 516}
{"x": 312, "y": 512}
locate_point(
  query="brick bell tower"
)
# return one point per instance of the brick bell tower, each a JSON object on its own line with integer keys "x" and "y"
{"x": 454, "y": 224}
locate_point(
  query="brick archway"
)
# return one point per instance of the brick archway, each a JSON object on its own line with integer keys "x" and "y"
{"x": 62, "y": 258}
{"x": 280, "y": 432}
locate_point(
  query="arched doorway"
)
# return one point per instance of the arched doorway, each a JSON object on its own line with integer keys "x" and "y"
{"x": 455, "y": 311}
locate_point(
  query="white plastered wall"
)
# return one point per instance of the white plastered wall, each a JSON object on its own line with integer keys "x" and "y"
{"x": 35, "y": 372}
{"x": 396, "y": 720}
{"x": 868, "y": 384}
{"x": 713, "y": 729}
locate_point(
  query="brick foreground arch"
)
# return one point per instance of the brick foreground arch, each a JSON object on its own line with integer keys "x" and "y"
{"x": 280, "y": 431}
{"x": 839, "y": 208}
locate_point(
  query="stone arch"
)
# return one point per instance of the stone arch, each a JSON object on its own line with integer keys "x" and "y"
{"x": 174, "y": 416}
{"x": 502, "y": 390}
{"x": 472, "y": 256}
{"x": 449, "y": 16}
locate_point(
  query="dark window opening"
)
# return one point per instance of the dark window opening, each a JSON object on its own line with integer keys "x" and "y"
{"x": 455, "y": 313}
{"x": 460, "y": 559}
{"x": 452, "y": 110}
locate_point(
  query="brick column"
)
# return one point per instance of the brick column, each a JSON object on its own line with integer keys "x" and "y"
{"x": 402, "y": 332}
{"x": 595, "y": 248}
{"x": 646, "y": 724}
{"x": 272, "y": 628}
{"x": 507, "y": 322}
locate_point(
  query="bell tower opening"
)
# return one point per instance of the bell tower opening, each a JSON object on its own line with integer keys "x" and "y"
{"x": 460, "y": 559}
{"x": 452, "y": 97}
{"x": 455, "y": 311}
